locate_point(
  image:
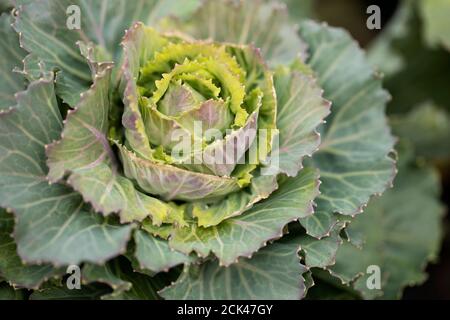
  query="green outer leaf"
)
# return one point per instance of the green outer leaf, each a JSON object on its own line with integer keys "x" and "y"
{"x": 402, "y": 232}
{"x": 125, "y": 282}
{"x": 105, "y": 274}
{"x": 274, "y": 272}
{"x": 245, "y": 234}
{"x": 354, "y": 159}
{"x": 11, "y": 56}
{"x": 109, "y": 192}
{"x": 143, "y": 288}
{"x": 43, "y": 25}
{"x": 105, "y": 21}
{"x": 89, "y": 292}
{"x": 326, "y": 287}
{"x": 162, "y": 231}
{"x": 321, "y": 253}
{"x": 154, "y": 254}
{"x": 53, "y": 224}
{"x": 262, "y": 23}
{"x": 319, "y": 224}
{"x": 301, "y": 110}
{"x": 43, "y": 29}
{"x": 11, "y": 266}
{"x": 309, "y": 281}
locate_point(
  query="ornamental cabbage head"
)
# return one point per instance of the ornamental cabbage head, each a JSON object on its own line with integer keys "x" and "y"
{"x": 166, "y": 135}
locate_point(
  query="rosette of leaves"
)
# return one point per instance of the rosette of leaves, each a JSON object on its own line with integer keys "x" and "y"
{"x": 90, "y": 173}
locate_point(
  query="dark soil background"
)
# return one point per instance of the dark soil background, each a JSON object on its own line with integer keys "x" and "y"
{"x": 351, "y": 15}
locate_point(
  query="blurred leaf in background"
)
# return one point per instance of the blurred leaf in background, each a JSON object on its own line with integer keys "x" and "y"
{"x": 5, "y": 5}
{"x": 9, "y": 293}
{"x": 427, "y": 128}
{"x": 415, "y": 72}
{"x": 436, "y": 22}
{"x": 402, "y": 233}
{"x": 412, "y": 52}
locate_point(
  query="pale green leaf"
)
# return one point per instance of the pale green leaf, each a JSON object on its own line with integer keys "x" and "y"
{"x": 53, "y": 223}
{"x": 319, "y": 224}
{"x": 178, "y": 99}
{"x": 245, "y": 234}
{"x": 154, "y": 254}
{"x": 262, "y": 23}
{"x": 106, "y": 28}
{"x": 218, "y": 158}
{"x": 125, "y": 282}
{"x": 320, "y": 253}
{"x": 139, "y": 44}
{"x": 174, "y": 183}
{"x": 234, "y": 204}
{"x": 12, "y": 267}
{"x": 274, "y": 272}
{"x": 214, "y": 114}
{"x": 43, "y": 25}
{"x": 105, "y": 274}
{"x": 301, "y": 109}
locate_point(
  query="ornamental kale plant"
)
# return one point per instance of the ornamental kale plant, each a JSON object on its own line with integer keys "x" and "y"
{"x": 209, "y": 150}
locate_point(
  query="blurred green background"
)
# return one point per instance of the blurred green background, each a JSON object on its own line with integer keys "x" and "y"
{"x": 412, "y": 51}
